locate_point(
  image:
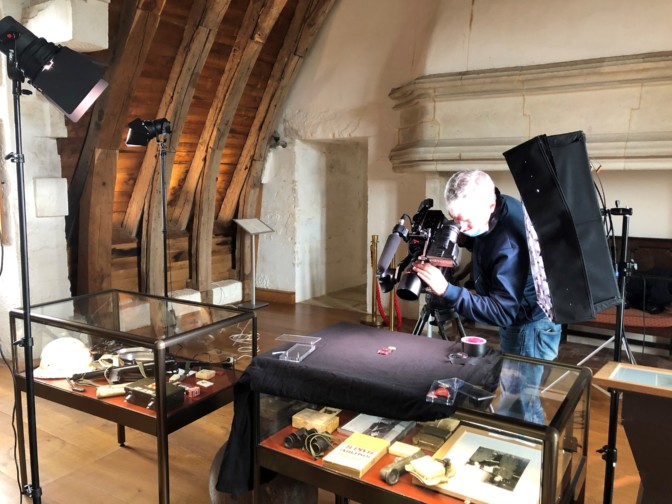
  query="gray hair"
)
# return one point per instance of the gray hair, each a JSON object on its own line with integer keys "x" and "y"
{"x": 466, "y": 185}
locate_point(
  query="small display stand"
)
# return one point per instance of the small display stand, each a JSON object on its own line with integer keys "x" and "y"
{"x": 253, "y": 227}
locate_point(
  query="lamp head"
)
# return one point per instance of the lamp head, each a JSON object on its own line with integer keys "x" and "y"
{"x": 69, "y": 80}
{"x": 140, "y": 132}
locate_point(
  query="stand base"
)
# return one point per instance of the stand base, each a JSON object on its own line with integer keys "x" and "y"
{"x": 372, "y": 321}
{"x": 252, "y": 306}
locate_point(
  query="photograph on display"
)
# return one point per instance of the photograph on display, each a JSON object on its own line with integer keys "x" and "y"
{"x": 491, "y": 468}
{"x": 498, "y": 468}
{"x": 380, "y": 427}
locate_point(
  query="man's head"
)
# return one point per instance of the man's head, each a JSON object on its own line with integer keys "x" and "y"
{"x": 470, "y": 200}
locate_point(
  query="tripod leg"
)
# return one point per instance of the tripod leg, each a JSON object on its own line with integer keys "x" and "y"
{"x": 422, "y": 320}
{"x": 460, "y": 327}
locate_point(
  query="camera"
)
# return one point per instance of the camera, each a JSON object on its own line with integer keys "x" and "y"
{"x": 432, "y": 238}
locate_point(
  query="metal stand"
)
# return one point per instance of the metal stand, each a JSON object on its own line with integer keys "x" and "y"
{"x": 437, "y": 315}
{"x": 253, "y": 227}
{"x": 161, "y": 140}
{"x": 33, "y": 490}
{"x": 624, "y": 268}
{"x": 609, "y": 452}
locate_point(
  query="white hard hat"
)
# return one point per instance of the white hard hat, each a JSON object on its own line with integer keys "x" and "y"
{"x": 64, "y": 357}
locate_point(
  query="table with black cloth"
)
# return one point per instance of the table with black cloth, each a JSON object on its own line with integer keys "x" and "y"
{"x": 346, "y": 371}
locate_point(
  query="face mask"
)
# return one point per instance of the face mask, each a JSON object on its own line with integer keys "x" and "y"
{"x": 473, "y": 232}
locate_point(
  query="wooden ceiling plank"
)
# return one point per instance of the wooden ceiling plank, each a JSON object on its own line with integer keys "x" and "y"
{"x": 200, "y": 32}
{"x": 308, "y": 18}
{"x": 182, "y": 210}
{"x": 139, "y": 23}
{"x": 198, "y": 191}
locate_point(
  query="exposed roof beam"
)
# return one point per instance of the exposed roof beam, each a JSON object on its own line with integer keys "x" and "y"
{"x": 199, "y": 187}
{"x": 200, "y": 32}
{"x": 308, "y": 18}
{"x": 96, "y": 168}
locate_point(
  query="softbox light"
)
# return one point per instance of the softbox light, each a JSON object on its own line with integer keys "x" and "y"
{"x": 69, "y": 80}
{"x": 553, "y": 176}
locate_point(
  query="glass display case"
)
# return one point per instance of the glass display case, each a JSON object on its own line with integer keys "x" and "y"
{"x": 523, "y": 442}
{"x": 150, "y": 363}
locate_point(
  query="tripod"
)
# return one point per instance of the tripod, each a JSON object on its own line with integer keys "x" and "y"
{"x": 437, "y": 312}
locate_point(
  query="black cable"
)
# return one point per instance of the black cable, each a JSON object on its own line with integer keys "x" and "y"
{"x": 317, "y": 443}
{"x": 606, "y": 220}
{"x": 16, "y": 437}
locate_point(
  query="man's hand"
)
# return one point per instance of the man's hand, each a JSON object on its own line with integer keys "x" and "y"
{"x": 432, "y": 276}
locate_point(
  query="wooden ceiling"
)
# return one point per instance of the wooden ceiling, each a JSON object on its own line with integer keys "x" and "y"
{"x": 219, "y": 71}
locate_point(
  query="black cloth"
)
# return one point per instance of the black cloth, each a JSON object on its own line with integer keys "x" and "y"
{"x": 554, "y": 179}
{"x": 345, "y": 371}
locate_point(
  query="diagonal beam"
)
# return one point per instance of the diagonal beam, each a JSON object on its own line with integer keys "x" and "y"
{"x": 140, "y": 19}
{"x": 198, "y": 191}
{"x": 200, "y": 32}
{"x": 308, "y": 19}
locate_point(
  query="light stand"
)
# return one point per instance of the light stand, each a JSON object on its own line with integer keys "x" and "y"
{"x": 609, "y": 451}
{"x": 139, "y": 134}
{"x": 33, "y": 490}
{"x": 72, "y": 83}
{"x": 623, "y": 271}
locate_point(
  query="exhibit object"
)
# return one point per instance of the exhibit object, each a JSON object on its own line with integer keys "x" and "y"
{"x": 537, "y": 411}
{"x": 148, "y": 357}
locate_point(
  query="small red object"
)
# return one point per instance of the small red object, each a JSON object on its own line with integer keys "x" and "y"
{"x": 442, "y": 392}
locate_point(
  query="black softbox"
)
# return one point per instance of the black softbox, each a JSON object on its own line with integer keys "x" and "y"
{"x": 554, "y": 180}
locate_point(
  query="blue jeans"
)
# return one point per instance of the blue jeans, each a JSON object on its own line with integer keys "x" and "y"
{"x": 538, "y": 339}
{"x": 519, "y": 381}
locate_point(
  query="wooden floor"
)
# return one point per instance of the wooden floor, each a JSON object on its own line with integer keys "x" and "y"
{"x": 80, "y": 461}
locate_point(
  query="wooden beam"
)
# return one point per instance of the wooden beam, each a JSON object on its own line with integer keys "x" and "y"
{"x": 247, "y": 191}
{"x": 94, "y": 271}
{"x": 199, "y": 187}
{"x": 105, "y": 133}
{"x": 200, "y": 32}
{"x": 308, "y": 18}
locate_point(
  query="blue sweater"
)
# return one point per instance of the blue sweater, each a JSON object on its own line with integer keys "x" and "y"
{"x": 505, "y": 294}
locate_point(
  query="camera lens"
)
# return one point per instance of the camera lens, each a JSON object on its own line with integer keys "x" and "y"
{"x": 410, "y": 287}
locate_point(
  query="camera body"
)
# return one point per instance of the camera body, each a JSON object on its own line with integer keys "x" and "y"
{"x": 432, "y": 238}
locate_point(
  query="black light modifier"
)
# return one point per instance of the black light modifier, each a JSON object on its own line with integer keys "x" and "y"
{"x": 141, "y": 132}
{"x": 69, "y": 80}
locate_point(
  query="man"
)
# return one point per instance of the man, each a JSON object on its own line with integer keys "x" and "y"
{"x": 504, "y": 289}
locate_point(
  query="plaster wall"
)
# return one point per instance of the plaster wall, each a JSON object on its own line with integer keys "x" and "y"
{"x": 367, "y": 48}
{"x": 41, "y": 125}
{"x": 311, "y": 250}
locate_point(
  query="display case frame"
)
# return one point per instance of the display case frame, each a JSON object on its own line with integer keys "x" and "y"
{"x": 138, "y": 320}
{"x": 562, "y": 439}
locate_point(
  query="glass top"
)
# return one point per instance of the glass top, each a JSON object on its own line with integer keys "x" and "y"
{"x": 529, "y": 391}
{"x": 647, "y": 377}
{"x": 149, "y": 317}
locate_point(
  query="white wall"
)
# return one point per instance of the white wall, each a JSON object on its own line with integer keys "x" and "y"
{"x": 368, "y": 47}
{"x": 315, "y": 200}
